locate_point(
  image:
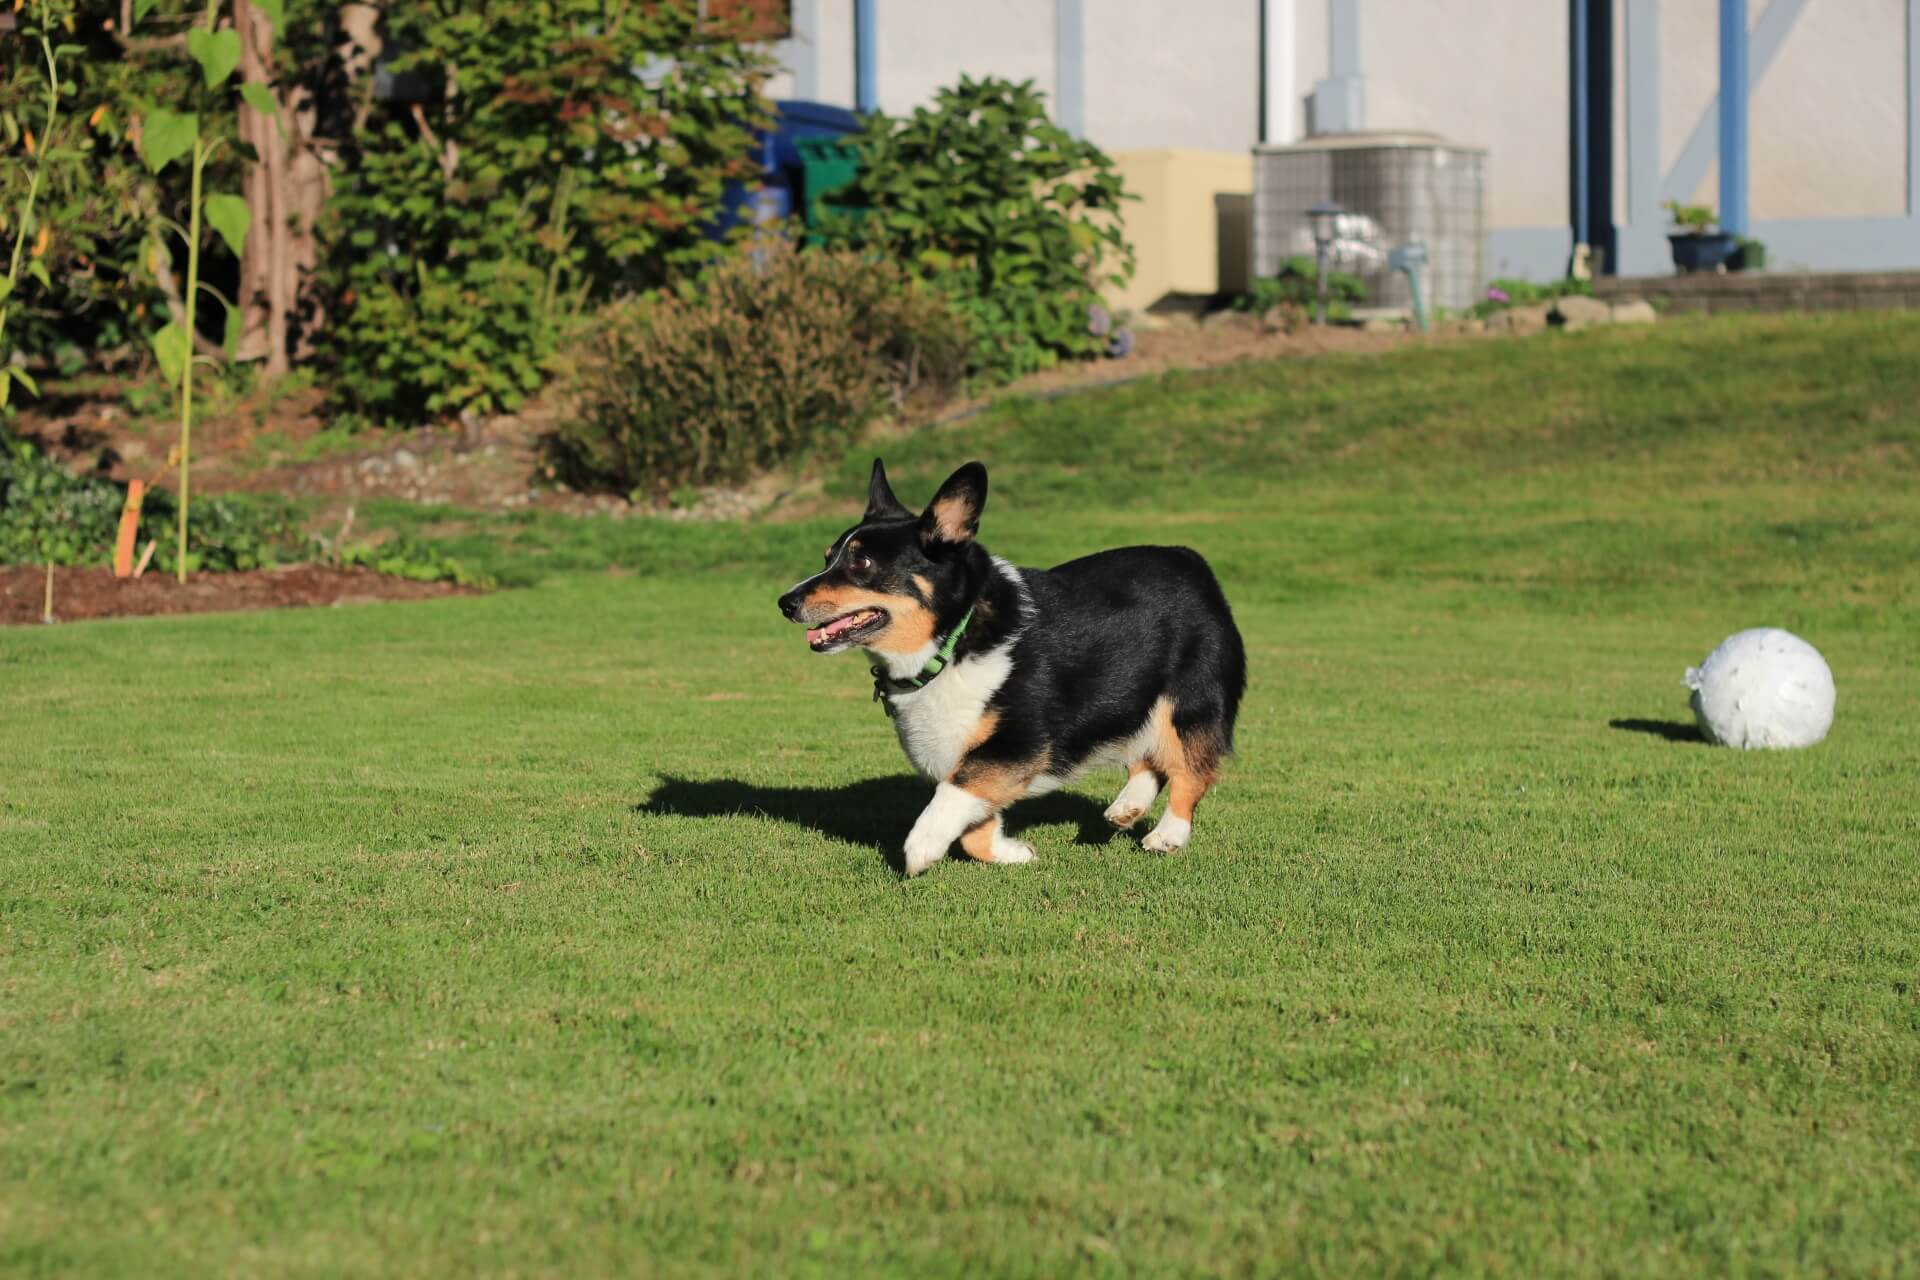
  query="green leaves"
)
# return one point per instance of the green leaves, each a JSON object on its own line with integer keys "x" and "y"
{"x": 230, "y": 216}
{"x": 217, "y": 52}
{"x": 172, "y": 348}
{"x": 995, "y": 206}
{"x": 166, "y": 135}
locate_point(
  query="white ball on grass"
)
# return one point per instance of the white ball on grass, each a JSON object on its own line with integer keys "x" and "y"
{"x": 1763, "y": 688}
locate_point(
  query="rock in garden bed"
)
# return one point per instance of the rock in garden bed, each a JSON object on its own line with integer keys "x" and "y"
{"x": 95, "y": 593}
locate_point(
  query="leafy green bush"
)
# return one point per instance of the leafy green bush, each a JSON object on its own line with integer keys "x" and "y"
{"x": 406, "y": 557}
{"x": 48, "y": 514}
{"x": 1016, "y": 220}
{"x": 1697, "y": 219}
{"x": 1297, "y": 285}
{"x": 1512, "y": 292}
{"x": 566, "y": 153}
{"x": 767, "y": 356}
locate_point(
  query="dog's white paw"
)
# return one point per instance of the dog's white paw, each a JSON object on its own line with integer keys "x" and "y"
{"x": 1011, "y": 852}
{"x": 1134, "y": 800}
{"x": 1169, "y": 837}
{"x": 921, "y": 854}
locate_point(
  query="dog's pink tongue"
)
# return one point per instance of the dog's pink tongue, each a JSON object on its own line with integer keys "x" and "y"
{"x": 833, "y": 628}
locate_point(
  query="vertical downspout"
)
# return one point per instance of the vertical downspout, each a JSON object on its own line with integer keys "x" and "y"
{"x": 1278, "y": 97}
{"x": 1733, "y": 116}
{"x": 1577, "y": 135}
{"x": 1600, "y": 230}
{"x": 866, "y": 89}
{"x": 1070, "y": 66}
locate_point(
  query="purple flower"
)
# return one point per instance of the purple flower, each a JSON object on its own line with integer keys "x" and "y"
{"x": 1497, "y": 295}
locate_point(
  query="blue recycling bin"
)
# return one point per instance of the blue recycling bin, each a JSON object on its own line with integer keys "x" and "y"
{"x": 781, "y": 187}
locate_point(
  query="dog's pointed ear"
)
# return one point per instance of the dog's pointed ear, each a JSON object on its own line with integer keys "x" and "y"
{"x": 881, "y": 504}
{"x": 954, "y": 513}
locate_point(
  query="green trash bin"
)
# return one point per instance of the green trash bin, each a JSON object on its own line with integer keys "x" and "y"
{"x": 828, "y": 165}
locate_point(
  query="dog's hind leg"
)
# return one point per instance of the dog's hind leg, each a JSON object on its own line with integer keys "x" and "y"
{"x": 1190, "y": 755}
{"x": 1131, "y": 805}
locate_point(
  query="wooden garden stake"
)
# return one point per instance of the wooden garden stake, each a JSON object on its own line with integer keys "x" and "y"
{"x": 46, "y": 610}
{"x": 129, "y": 529}
{"x": 145, "y": 556}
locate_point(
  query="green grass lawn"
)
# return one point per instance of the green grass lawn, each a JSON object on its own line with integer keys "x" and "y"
{"x": 550, "y": 932}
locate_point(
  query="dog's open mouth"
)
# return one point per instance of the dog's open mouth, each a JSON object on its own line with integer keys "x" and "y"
{"x": 847, "y": 629}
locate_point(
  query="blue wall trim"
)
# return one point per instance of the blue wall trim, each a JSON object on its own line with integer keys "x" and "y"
{"x": 1643, "y": 110}
{"x": 866, "y": 70}
{"x": 1697, "y": 156}
{"x": 1579, "y": 163}
{"x": 800, "y": 52}
{"x": 1735, "y": 85}
{"x": 1339, "y": 102}
{"x": 1913, "y": 108}
{"x": 1070, "y": 66}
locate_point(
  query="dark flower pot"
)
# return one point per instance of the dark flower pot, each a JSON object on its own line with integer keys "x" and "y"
{"x": 1702, "y": 251}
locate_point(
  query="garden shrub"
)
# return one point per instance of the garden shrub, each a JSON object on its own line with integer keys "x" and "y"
{"x": 561, "y": 154}
{"x": 50, "y": 515}
{"x": 1296, "y": 287}
{"x": 1014, "y": 219}
{"x": 769, "y": 355}
{"x": 1511, "y": 292}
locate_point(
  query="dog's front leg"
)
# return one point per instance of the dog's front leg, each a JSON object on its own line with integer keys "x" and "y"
{"x": 949, "y": 814}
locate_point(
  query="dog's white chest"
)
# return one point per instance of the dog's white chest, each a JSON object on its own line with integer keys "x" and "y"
{"x": 936, "y": 723}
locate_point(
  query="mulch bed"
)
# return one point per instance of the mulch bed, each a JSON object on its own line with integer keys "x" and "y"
{"x": 95, "y": 593}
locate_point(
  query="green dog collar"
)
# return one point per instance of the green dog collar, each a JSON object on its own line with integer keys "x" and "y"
{"x": 883, "y": 684}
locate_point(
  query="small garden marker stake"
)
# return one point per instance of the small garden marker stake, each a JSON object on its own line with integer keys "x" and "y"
{"x": 129, "y": 529}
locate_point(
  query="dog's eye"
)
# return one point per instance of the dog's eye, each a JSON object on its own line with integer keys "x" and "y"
{"x": 860, "y": 564}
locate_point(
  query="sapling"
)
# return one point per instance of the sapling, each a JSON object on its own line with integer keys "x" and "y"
{"x": 35, "y": 267}
{"x": 165, "y": 137}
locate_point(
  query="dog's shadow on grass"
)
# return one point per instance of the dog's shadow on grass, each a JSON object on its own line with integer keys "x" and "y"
{"x": 877, "y": 812}
{"x": 1671, "y": 730}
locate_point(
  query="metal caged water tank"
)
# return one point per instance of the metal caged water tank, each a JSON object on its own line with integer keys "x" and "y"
{"x": 1395, "y": 187}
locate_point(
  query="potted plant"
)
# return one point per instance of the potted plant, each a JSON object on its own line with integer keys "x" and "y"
{"x": 1698, "y": 247}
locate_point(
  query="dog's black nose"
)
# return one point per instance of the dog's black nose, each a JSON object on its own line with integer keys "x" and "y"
{"x": 790, "y": 605}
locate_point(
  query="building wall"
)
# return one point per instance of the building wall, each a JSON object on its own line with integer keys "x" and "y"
{"x": 1828, "y": 114}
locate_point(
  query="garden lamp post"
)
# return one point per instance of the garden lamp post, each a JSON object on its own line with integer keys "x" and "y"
{"x": 1322, "y": 218}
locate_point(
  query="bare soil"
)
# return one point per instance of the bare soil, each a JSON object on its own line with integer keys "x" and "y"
{"x": 95, "y": 593}
{"x": 279, "y": 443}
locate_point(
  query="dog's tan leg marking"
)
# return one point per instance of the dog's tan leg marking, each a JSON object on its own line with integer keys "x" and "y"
{"x": 1190, "y": 763}
{"x": 986, "y": 843}
{"x": 982, "y": 730}
{"x": 947, "y": 816}
{"x": 998, "y": 785}
{"x": 1131, "y": 805}
{"x": 992, "y": 786}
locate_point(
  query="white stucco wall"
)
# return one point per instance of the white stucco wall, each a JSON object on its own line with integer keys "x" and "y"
{"x": 1827, "y": 122}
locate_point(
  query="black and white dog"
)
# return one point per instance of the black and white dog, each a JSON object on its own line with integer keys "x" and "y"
{"x": 1006, "y": 682}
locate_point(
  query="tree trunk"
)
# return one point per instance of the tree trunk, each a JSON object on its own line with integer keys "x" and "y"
{"x": 265, "y": 300}
{"x": 287, "y": 190}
